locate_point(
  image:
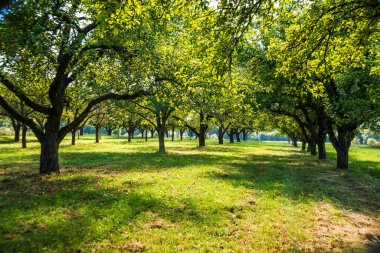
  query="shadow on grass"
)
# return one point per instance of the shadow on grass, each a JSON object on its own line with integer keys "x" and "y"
{"x": 82, "y": 210}
{"x": 79, "y": 210}
{"x": 118, "y": 161}
{"x": 303, "y": 178}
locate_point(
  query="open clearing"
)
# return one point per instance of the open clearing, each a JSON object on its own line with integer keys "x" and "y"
{"x": 242, "y": 197}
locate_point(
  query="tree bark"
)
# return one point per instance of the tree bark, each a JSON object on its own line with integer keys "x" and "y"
{"x": 231, "y": 135}
{"x": 181, "y": 134}
{"x": 152, "y": 133}
{"x": 129, "y": 136}
{"x": 220, "y": 135}
{"x": 49, "y": 152}
{"x": 342, "y": 158}
{"x": 237, "y": 136}
{"x": 202, "y": 137}
{"x": 313, "y": 148}
{"x": 161, "y": 140}
{"x": 172, "y": 133}
{"x": 16, "y": 127}
{"x": 321, "y": 141}
{"x": 294, "y": 142}
{"x": 97, "y": 134}
{"x": 342, "y": 146}
{"x": 146, "y": 134}
{"x": 245, "y": 135}
{"x": 303, "y": 145}
{"x": 24, "y": 129}
{"x": 73, "y": 132}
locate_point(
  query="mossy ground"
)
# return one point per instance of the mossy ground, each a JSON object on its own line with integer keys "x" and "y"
{"x": 241, "y": 197}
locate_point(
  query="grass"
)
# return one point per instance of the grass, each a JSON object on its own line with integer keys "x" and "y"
{"x": 244, "y": 197}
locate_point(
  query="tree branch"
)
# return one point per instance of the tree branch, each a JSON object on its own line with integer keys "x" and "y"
{"x": 110, "y": 96}
{"x": 11, "y": 87}
{"x": 13, "y": 113}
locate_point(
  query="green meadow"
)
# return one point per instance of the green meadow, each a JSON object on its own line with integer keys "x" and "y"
{"x": 251, "y": 196}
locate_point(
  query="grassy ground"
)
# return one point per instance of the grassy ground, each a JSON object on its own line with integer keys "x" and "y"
{"x": 242, "y": 197}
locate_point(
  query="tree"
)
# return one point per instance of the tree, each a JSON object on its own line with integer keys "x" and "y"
{"x": 337, "y": 64}
{"x": 62, "y": 41}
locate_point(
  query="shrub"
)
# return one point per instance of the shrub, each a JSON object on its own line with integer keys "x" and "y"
{"x": 373, "y": 142}
{"x": 5, "y": 131}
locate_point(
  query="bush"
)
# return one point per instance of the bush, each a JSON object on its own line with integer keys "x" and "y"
{"x": 373, "y": 142}
{"x": 5, "y": 131}
{"x": 356, "y": 141}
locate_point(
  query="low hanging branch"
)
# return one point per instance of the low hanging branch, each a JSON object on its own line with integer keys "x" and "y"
{"x": 111, "y": 96}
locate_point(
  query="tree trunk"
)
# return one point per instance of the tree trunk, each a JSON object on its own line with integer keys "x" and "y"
{"x": 202, "y": 139}
{"x": 308, "y": 147}
{"x": 97, "y": 134}
{"x": 342, "y": 158}
{"x": 109, "y": 131}
{"x": 294, "y": 142}
{"x": 129, "y": 136}
{"x": 73, "y": 132}
{"x": 342, "y": 147}
{"x": 245, "y": 135}
{"x": 49, "y": 152}
{"x": 321, "y": 147}
{"x": 172, "y": 133}
{"x": 220, "y": 135}
{"x": 313, "y": 148}
{"x": 303, "y": 145}
{"x": 231, "y": 135}
{"x": 81, "y": 131}
{"x": 151, "y": 133}
{"x": 23, "y": 137}
{"x": 237, "y": 136}
{"x": 161, "y": 140}
{"x": 16, "y": 128}
{"x": 146, "y": 134}
{"x": 181, "y": 134}
{"x": 142, "y": 134}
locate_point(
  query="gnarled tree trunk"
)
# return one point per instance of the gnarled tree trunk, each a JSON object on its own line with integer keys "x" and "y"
{"x": 49, "y": 152}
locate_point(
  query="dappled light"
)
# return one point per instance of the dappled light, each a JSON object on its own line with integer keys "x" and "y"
{"x": 187, "y": 199}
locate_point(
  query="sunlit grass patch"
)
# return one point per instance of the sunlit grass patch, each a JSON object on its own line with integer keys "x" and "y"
{"x": 242, "y": 197}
